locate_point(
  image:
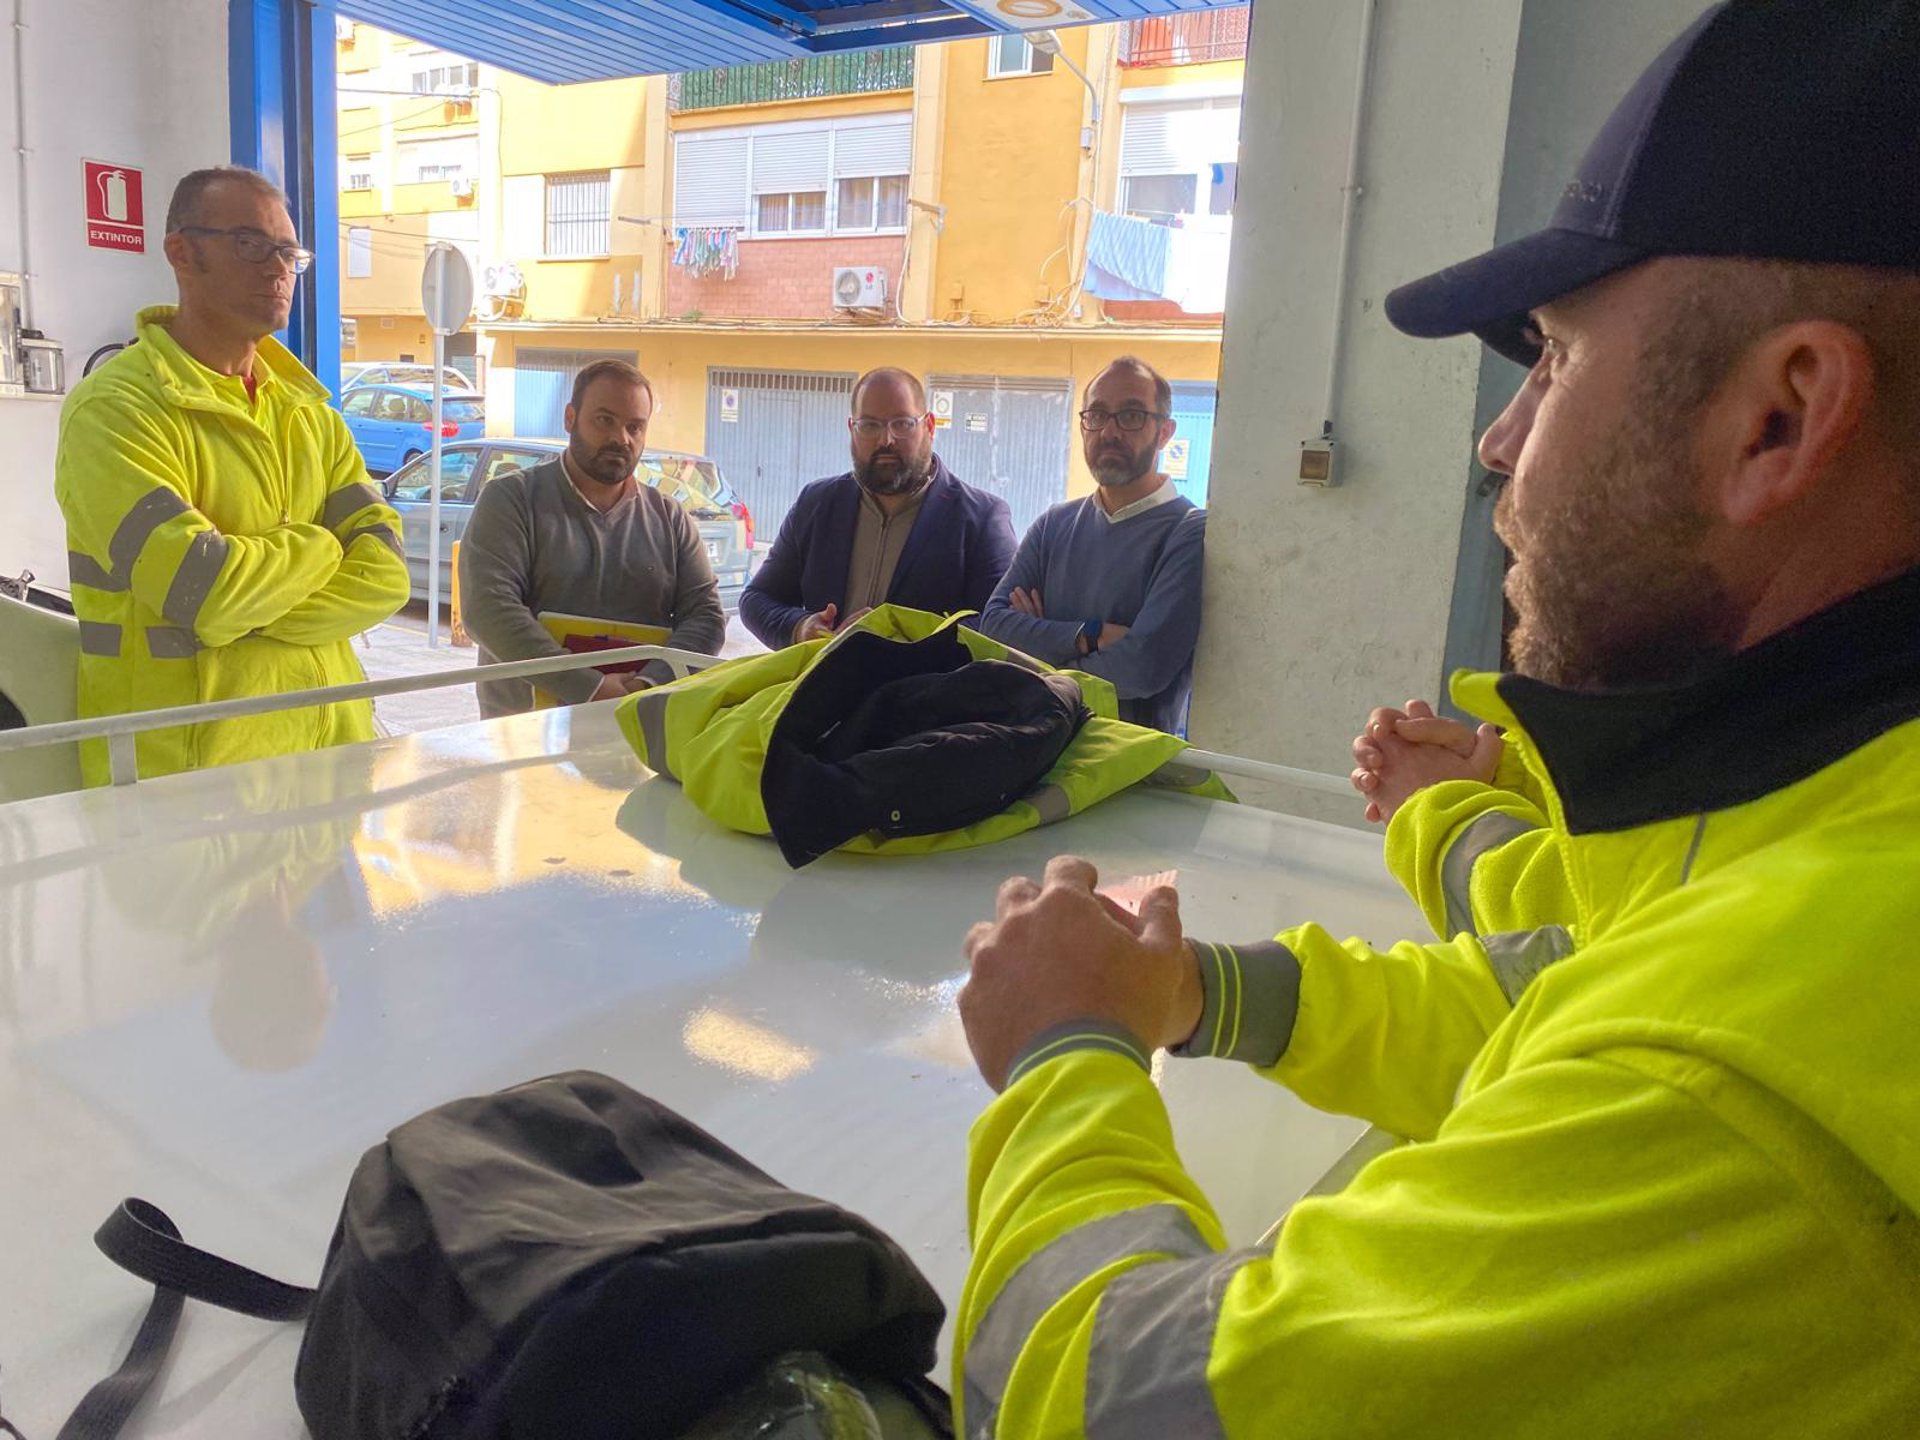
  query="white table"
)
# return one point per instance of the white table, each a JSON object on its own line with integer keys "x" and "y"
{"x": 217, "y": 990}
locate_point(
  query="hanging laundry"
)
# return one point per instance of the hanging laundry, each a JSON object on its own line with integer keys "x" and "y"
{"x": 1126, "y": 258}
{"x": 1196, "y": 278}
{"x": 703, "y": 250}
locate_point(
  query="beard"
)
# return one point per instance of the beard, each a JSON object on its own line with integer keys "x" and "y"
{"x": 1116, "y": 465}
{"x": 901, "y": 478}
{"x": 609, "y": 464}
{"x": 1610, "y": 586}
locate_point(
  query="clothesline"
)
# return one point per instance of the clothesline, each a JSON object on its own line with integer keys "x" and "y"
{"x": 703, "y": 250}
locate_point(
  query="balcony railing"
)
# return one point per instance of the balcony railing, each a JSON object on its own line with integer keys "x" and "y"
{"x": 809, "y": 77}
{"x": 1187, "y": 37}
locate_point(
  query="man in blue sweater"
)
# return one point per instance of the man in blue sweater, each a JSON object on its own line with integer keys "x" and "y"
{"x": 1111, "y": 584}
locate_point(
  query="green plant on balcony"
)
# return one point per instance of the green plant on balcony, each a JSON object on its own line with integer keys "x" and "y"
{"x": 805, "y": 77}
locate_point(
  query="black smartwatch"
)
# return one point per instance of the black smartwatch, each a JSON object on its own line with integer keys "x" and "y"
{"x": 1090, "y": 632}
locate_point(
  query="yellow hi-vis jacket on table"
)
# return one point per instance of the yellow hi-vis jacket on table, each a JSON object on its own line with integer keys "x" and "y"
{"x": 1666, "y": 1152}
{"x": 712, "y": 732}
{"x": 220, "y": 547}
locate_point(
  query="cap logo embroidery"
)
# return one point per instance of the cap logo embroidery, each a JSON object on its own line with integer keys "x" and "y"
{"x": 1586, "y": 192}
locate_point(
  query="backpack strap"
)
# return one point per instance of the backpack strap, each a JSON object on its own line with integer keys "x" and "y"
{"x": 141, "y": 1238}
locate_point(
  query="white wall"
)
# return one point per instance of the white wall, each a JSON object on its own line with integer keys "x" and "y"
{"x": 1322, "y": 603}
{"x": 135, "y": 82}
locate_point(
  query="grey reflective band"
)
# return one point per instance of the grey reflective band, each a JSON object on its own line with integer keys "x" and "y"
{"x": 651, "y": 711}
{"x": 165, "y": 642}
{"x": 1058, "y": 1040}
{"x": 1152, "y": 1339}
{"x": 1518, "y": 955}
{"x": 1047, "y": 1277}
{"x": 1052, "y": 803}
{"x": 1250, "y": 998}
{"x": 100, "y": 639}
{"x": 348, "y": 501}
{"x": 383, "y": 533}
{"x": 194, "y": 580}
{"x": 1693, "y": 849}
{"x": 149, "y": 513}
{"x": 1178, "y": 775}
{"x": 1489, "y": 832}
{"x": 83, "y": 569}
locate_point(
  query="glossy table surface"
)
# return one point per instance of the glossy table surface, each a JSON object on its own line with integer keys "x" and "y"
{"x": 217, "y": 990}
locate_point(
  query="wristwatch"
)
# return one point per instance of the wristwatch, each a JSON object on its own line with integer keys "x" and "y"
{"x": 1090, "y": 632}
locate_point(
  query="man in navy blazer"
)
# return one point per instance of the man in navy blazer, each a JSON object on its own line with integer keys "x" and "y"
{"x": 899, "y": 528}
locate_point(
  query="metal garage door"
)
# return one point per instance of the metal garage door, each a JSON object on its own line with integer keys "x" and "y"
{"x": 774, "y": 431}
{"x": 1009, "y": 437}
{"x": 543, "y": 383}
{"x": 1189, "y": 455}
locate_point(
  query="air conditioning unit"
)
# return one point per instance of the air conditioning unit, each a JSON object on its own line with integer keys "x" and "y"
{"x": 859, "y": 287}
{"x": 461, "y": 185}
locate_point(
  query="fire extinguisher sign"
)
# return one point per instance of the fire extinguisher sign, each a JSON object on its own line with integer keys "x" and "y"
{"x": 116, "y": 213}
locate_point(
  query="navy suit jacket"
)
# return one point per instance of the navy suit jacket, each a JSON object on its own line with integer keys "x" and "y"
{"x": 960, "y": 545}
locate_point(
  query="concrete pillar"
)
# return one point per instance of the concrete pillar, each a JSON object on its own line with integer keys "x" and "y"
{"x": 917, "y": 301}
{"x": 1322, "y": 603}
{"x": 656, "y": 201}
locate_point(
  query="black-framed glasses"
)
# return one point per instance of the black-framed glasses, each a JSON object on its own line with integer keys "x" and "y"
{"x": 255, "y": 248}
{"x": 1131, "y": 419}
{"x": 901, "y": 427}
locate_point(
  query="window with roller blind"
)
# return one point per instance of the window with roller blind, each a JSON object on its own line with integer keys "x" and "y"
{"x": 807, "y": 179}
{"x": 1179, "y": 160}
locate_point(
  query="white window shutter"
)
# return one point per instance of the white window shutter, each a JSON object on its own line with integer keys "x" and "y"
{"x": 359, "y": 252}
{"x": 789, "y": 160}
{"x": 1178, "y": 138}
{"x": 1146, "y": 141}
{"x": 873, "y": 150}
{"x": 710, "y": 180}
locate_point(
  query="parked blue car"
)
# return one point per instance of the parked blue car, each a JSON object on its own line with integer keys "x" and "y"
{"x": 393, "y": 424}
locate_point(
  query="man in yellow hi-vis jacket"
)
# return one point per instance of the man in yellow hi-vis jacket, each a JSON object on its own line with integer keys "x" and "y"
{"x": 1660, "y": 1080}
{"x": 224, "y": 540}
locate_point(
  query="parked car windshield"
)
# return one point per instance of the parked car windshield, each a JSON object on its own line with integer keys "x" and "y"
{"x": 687, "y": 480}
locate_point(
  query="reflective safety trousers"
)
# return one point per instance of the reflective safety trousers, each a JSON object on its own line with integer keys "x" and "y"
{"x": 219, "y": 547}
{"x": 711, "y": 730}
{"x": 1663, "y": 1085}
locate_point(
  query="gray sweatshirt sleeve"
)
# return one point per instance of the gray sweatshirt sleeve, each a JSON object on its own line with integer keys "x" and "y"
{"x": 699, "y": 620}
{"x": 496, "y": 566}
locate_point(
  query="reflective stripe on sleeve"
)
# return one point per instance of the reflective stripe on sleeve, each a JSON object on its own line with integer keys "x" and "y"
{"x": 1517, "y": 956}
{"x": 1152, "y": 1338}
{"x": 650, "y": 709}
{"x": 347, "y": 502}
{"x": 1047, "y": 1277}
{"x": 1058, "y": 1040}
{"x": 149, "y": 513}
{"x": 168, "y": 642}
{"x": 193, "y": 581}
{"x": 1489, "y": 832}
{"x": 83, "y": 569}
{"x": 1052, "y": 803}
{"x": 383, "y": 533}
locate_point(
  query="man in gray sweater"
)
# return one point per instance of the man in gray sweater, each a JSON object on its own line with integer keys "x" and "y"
{"x": 579, "y": 535}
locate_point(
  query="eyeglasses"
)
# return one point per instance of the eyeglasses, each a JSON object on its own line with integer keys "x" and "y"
{"x": 1130, "y": 420}
{"x": 256, "y": 249}
{"x": 901, "y": 427}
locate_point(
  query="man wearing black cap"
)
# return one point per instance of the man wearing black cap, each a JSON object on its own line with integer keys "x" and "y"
{"x": 1665, "y": 1167}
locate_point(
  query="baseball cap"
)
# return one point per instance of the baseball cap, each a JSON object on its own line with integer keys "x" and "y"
{"x": 1771, "y": 129}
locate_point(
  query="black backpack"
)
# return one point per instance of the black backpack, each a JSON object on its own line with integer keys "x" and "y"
{"x": 563, "y": 1258}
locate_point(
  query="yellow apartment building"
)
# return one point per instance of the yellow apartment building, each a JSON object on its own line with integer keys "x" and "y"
{"x": 1001, "y": 217}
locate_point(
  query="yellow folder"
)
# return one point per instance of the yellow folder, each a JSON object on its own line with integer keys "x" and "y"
{"x": 581, "y": 634}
